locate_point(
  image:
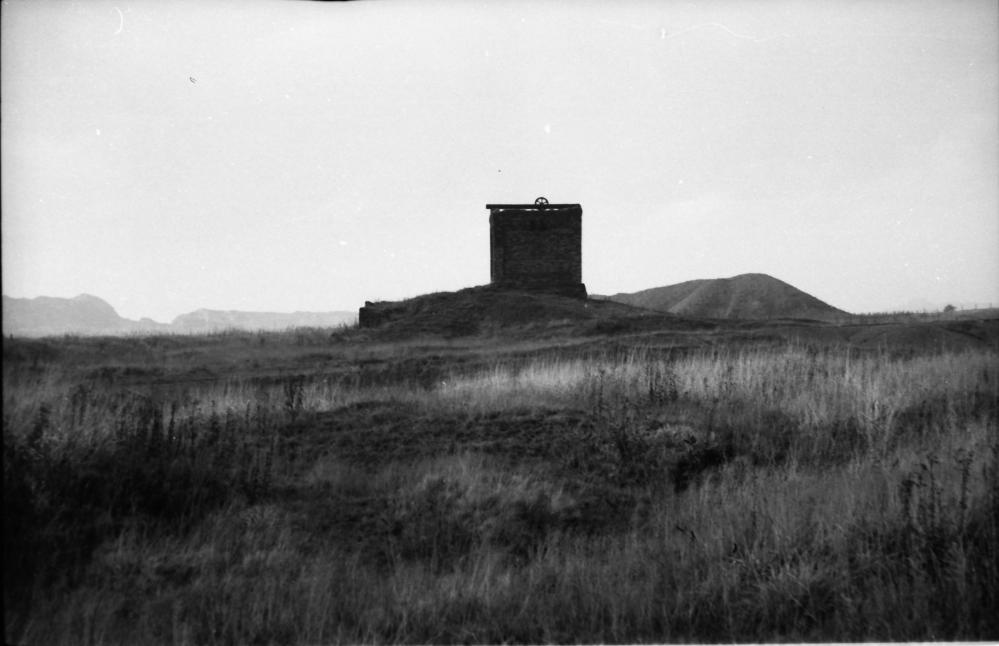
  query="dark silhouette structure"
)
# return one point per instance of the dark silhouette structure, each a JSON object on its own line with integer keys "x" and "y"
{"x": 537, "y": 247}
{"x": 533, "y": 247}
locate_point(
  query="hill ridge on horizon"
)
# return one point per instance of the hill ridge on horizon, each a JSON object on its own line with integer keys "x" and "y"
{"x": 91, "y": 315}
{"x": 744, "y": 296}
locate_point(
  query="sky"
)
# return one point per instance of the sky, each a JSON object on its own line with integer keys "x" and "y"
{"x": 293, "y": 155}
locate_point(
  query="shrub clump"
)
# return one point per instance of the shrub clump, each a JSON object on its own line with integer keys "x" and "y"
{"x": 65, "y": 493}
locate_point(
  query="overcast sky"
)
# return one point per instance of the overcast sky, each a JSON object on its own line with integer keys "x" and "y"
{"x": 294, "y": 155}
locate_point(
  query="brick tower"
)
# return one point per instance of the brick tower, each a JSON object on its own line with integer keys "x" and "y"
{"x": 537, "y": 247}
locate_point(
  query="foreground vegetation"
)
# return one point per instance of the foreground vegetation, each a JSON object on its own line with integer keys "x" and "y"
{"x": 303, "y": 488}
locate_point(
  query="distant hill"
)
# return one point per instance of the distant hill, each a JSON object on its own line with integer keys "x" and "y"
{"x": 208, "y": 320}
{"x": 747, "y": 296}
{"x": 479, "y": 309}
{"x": 90, "y": 315}
{"x": 83, "y": 314}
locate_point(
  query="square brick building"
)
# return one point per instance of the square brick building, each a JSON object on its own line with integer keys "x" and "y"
{"x": 537, "y": 247}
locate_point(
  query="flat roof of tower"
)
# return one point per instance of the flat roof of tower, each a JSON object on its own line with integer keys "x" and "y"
{"x": 530, "y": 206}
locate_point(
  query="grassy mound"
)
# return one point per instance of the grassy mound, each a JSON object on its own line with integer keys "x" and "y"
{"x": 488, "y": 310}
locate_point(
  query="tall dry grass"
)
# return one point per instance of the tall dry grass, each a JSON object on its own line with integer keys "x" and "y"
{"x": 819, "y": 494}
{"x": 874, "y": 394}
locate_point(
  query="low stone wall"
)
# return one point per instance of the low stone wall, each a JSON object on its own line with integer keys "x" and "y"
{"x": 375, "y": 314}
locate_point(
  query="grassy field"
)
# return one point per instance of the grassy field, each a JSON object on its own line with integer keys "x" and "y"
{"x": 315, "y": 487}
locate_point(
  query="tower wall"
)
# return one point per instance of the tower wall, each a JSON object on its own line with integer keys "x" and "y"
{"x": 537, "y": 248}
